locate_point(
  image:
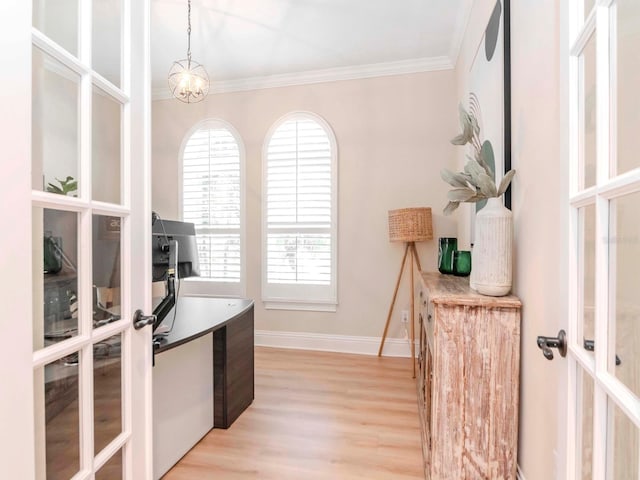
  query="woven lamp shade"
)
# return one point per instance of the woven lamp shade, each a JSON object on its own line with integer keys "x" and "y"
{"x": 410, "y": 225}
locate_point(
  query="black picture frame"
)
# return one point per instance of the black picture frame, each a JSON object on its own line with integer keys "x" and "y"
{"x": 507, "y": 97}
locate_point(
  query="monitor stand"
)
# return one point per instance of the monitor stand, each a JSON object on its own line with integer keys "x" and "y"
{"x": 166, "y": 305}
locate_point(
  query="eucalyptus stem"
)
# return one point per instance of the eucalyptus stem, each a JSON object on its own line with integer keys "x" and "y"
{"x": 477, "y": 182}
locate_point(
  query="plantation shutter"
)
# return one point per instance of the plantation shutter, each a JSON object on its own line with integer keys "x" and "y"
{"x": 211, "y": 200}
{"x": 300, "y": 224}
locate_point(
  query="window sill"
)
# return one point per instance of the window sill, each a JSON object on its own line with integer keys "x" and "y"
{"x": 211, "y": 288}
{"x": 300, "y": 306}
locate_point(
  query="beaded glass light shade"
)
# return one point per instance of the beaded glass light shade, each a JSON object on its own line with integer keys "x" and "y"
{"x": 188, "y": 81}
{"x": 410, "y": 225}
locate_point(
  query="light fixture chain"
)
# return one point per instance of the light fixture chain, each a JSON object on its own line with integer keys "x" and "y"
{"x": 189, "y": 31}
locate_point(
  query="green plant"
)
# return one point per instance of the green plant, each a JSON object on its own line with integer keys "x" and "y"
{"x": 477, "y": 182}
{"x": 67, "y": 186}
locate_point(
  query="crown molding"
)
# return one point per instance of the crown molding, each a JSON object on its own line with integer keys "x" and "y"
{"x": 402, "y": 67}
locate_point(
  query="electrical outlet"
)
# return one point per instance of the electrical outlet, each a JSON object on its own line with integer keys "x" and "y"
{"x": 405, "y": 316}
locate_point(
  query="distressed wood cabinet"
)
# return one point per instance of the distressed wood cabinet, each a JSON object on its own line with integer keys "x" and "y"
{"x": 468, "y": 380}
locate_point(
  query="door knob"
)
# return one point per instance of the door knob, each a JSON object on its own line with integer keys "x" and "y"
{"x": 547, "y": 343}
{"x": 141, "y": 321}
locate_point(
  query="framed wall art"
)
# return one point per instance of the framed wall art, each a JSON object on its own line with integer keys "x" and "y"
{"x": 490, "y": 93}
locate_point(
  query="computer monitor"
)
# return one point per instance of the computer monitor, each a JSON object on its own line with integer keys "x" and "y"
{"x": 184, "y": 234}
{"x": 174, "y": 255}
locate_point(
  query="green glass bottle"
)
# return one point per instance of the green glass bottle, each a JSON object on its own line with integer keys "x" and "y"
{"x": 447, "y": 245}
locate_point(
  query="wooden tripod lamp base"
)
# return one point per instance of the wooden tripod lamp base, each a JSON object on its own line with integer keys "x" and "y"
{"x": 408, "y": 225}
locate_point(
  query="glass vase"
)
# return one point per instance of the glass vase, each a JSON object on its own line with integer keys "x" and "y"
{"x": 461, "y": 263}
{"x": 447, "y": 246}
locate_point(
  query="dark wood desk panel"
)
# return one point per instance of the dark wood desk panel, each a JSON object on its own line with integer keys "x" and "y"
{"x": 231, "y": 323}
{"x": 233, "y": 370}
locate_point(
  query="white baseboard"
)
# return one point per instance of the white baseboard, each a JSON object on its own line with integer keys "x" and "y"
{"x": 519, "y": 474}
{"x": 393, "y": 347}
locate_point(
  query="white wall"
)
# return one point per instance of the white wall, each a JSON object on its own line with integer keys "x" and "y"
{"x": 540, "y": 204}
{"x": 540, "y": 207}
{"x": 393, "y": 139}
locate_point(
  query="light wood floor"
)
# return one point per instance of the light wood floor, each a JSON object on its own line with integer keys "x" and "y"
{"x": 317, "y": 415}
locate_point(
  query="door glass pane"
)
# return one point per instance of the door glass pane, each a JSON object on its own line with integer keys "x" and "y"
{"x": 584, "y": 424}
{"x": 112, "y": 470}
{"x": 107, "y": 147}
{"x": 587, "y": 272}
{"x": 628, "y": 79}
{"x": 588, "y": 104}
{"x": 56, "y": 419}
{"x": 107, "y": 277}
{"x": 106, "y": 42}
{"x": 55, "y": 280}
{"x": 58, "y": 20}
{"x": 588, "y": 6}
{"x": 107, "y": 391}
{"x": 625, "y": 441}
{"x": 55, "y": 125}
{"x": 624, "y": 254}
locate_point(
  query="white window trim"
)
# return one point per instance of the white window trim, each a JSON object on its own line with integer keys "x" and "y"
{"x": 292, "y": 297}
{"x": 204, "y": 286}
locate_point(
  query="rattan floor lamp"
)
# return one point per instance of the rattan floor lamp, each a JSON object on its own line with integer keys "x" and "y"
{"x": 409, "y": 225}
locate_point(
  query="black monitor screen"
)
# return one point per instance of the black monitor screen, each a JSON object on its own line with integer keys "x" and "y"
{"x": 184, "y": 234}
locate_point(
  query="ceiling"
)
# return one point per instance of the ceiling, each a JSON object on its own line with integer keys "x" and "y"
{"x": 247, "y": 44}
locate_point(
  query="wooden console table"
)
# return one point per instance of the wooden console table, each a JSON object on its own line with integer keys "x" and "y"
{"x": 468, "y": 380}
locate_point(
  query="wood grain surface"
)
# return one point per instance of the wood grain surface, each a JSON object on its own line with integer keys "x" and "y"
{"x": 317, "y": 415}
{"x": 468, "y": 381}
{"x": 452, "y": 290}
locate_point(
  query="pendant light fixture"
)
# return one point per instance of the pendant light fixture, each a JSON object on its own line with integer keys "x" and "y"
{"x": 188, "y": 80}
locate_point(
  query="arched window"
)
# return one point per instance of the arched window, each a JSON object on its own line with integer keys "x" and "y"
{"x": 212, "y": 198}
{"x": 300, "y": 214}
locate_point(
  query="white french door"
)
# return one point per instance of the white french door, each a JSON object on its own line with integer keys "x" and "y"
{"x": 77, "y": 132}
{"x": 604, "y": 324}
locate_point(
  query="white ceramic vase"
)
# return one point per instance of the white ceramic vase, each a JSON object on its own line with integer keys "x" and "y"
{"x": 492, "y": 251}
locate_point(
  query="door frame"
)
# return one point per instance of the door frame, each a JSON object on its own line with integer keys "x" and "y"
{"x": 16, "y": 367}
